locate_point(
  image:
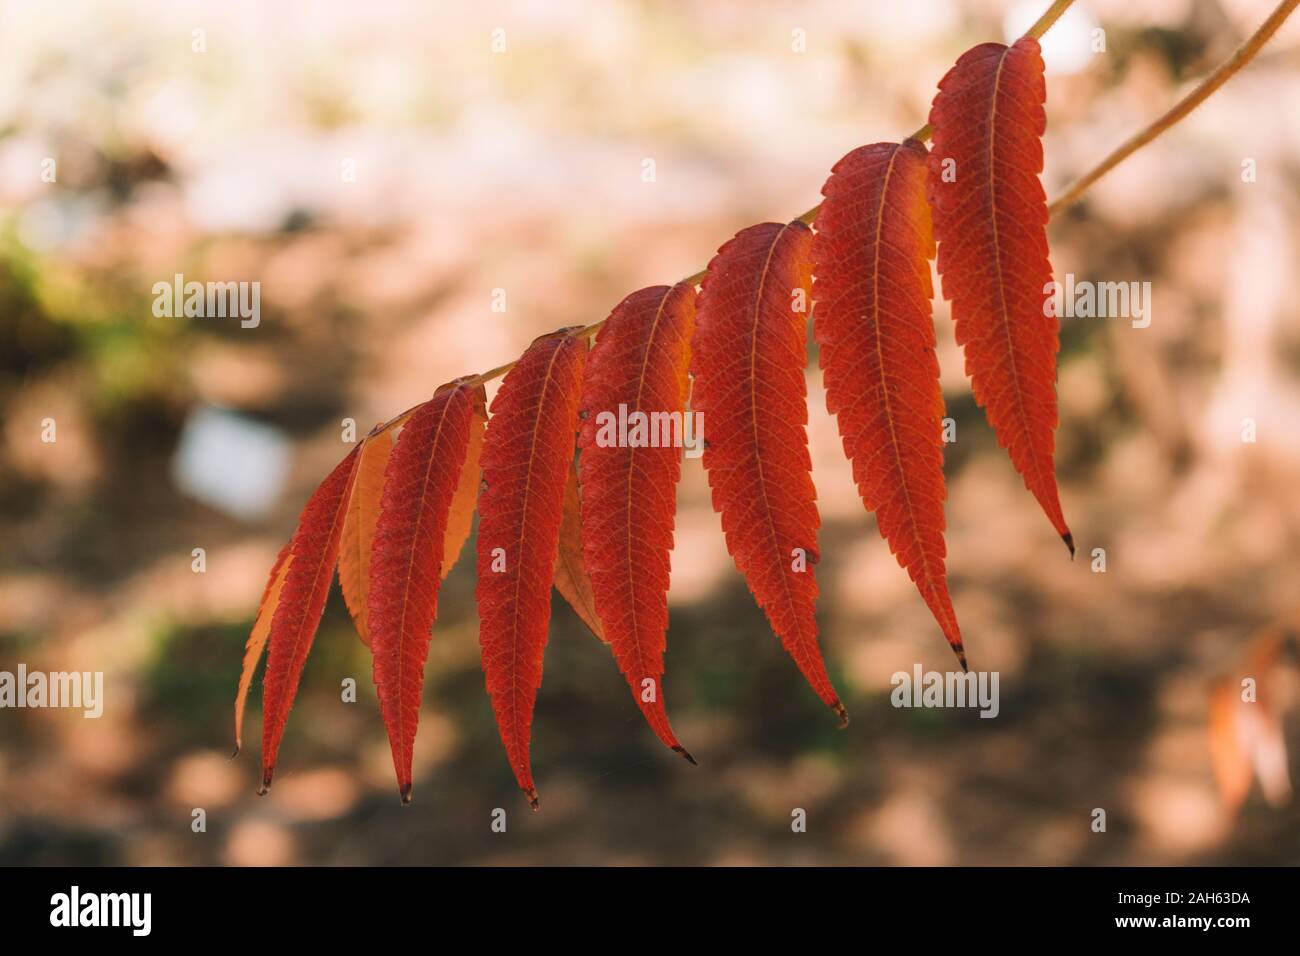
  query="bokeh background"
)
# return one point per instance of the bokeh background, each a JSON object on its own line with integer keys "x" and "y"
{"x": 522, "y": 170}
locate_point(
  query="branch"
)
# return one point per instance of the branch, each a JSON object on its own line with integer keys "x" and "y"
{"x": 1245, "y": 53}
{"x": 1044, "y": 23}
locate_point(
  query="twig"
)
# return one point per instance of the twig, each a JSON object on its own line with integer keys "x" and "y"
{"x": 1245, "y": 53}
{"x": 1044, "y": 23}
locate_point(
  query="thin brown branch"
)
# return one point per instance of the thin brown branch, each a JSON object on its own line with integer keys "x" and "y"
{"x": 1049, "y": 17}
{"x": 1201, "y": 92}
{"x": 1245, "y": 53}
{"x": 1041, "y": 26}
{"x": 1044, "y": 23}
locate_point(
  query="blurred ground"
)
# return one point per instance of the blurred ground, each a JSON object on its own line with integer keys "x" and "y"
{"x": 381, "y": 171}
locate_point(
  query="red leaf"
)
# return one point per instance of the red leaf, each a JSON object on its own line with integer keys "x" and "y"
{"x": 748, "y": 361}
{"x": 990, "y": 217}
{"x": 527, "y": 454}
{"x": 314, "y": 551}
{"x": 257, "y": 639}
{"x": 359, "y": 529}
{"x": 571, "y": 577}
{"x": 629, "y": 494}
{"x": 420, "y": 484}
{"x": 875, "y": 334}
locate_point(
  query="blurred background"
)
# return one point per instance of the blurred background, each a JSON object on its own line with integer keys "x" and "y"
{"x": 380, "y": 169}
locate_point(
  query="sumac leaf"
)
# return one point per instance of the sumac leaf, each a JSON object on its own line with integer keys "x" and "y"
{"x": 748, "y": 360}
{"x": 460, "y": 517}
{"x": 637, "y": 375}
{"x": 420, "y": 485}
{"x": 527, "y": 454}
{"x": 1246, "y": 735}
{"x": 571, "y": 577}
{"x": 875, "y": 334}
{"x": 313, "y": 555}
{"x": 257, "y": 638}
{"x": 990, "y": 219}
{"x": 359, "y": 529}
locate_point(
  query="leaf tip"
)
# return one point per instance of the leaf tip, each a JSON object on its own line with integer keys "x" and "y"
{"x": 406, "y": 789}
{"x": 686, "y": 754}
{"x": 841, "y": 713}
{"x": 533, "y": 802}
{"x": 1068, "y": 538}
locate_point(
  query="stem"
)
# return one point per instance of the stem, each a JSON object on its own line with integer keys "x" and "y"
{"x": 1041, "y": 26}
{"x": 1245, "y": 53}
{"x": 1044, "y": 23}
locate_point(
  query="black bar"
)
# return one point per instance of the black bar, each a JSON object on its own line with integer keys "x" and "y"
{"x": 242, "y": 907}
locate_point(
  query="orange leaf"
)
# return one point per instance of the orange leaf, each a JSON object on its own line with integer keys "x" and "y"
{"x": 990, "y": 217}
{"x": 527, "y": 454}
{"x": 1245, "y": 726}
{"x": 638, "y": 367}
{"x": 571, "y": 577}
{"x": 1228, "y": 757}
{"x": 875, "y": 335}
{"x": 460, "y": 519}
{"x": 257, "y": 639}
{"x": 359, "y": 528}
{"x": 422, "y": 483}
{"x": 748, "y": 362}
